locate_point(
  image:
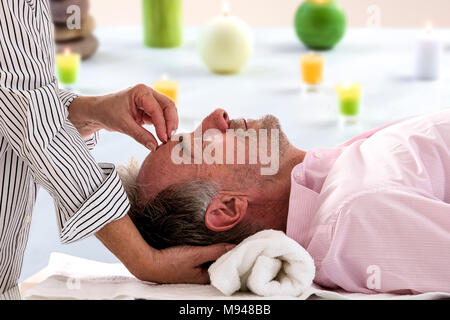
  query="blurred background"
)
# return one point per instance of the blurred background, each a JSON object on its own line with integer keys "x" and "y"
{"x": 395, "y": 13}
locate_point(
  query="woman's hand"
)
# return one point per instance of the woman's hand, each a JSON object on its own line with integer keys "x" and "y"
{"x": 126, "y": 112}
{"x": 185, "y": 264}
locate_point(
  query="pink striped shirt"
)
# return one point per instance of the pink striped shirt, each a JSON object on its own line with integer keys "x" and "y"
{"x": 374, "y": 212}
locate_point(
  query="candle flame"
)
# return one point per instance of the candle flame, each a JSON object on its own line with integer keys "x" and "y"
{"x": 164, "y": 77}
{"x": 429, "y": 27}
{"x": 343, "y": 87}
{"x": 226, "y": 8}
{"x": 67, "y": 51}
{"x": 349, "y": 86}
{"x": 320, "y": 2}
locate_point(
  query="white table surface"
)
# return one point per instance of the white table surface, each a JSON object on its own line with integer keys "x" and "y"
{"x": 381, "y": 60}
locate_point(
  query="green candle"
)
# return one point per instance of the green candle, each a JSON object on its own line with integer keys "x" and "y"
{"x": 349, "y": 99}
{"x": 163, "y": 23}
{"x": 320, "y": 24}
{"x": 68, "y": 66}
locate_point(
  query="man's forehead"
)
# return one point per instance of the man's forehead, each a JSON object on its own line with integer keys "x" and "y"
{"x": 150, "y": 175}
{"x": 158, "y": 172}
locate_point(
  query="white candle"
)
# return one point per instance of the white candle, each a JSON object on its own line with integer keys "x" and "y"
{"x": 226, "y": 43}
{"x": 428, "y": 55}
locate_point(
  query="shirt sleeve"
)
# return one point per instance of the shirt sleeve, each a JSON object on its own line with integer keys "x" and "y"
{"x": 391, "y": 241}
{"x": 67, "y": 98}
{"x": 34, "y": 122}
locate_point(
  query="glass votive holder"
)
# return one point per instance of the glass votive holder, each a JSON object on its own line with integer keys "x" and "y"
{"x": 349, "y": 100}
{"x": 167, "y": 87}
{"x": 68, "y": 68}
{"x": 311, "y": 70}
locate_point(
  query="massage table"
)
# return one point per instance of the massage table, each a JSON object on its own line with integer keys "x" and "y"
{"x": 69, "y": 277}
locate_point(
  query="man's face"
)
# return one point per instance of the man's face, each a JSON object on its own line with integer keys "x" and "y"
{"x": 235, "y": 153}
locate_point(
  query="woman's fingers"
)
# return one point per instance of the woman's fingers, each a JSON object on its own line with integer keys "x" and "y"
{"x": 183, "y": 264}
{"x": 145, "y": 101}
{"x": 146, "y": 119}
{"x": 202, "y": 277}
{"x": 210, "y": 253}
{"x": 203, "y": 255}
{"x": 137, "y": 106}
{"x": 170, "y": 112}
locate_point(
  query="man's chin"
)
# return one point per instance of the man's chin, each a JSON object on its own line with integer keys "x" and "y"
{"x": 269, "y": 122}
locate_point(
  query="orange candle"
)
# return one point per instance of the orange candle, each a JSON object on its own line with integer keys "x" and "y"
{"x": 311, "y": 66}
{"x": 167, "y": 87}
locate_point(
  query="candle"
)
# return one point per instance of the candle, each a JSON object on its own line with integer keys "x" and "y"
{"x": 311, "y": 66}
{"x": 163, "y": 23}
{"x": 349, "y": 99}
{"x": 68, "y": 66}
{"x": 320, "y": 24}
{"x": 428, "y": 55}
{"x": 226, "y": 43}
{"x": 167, "y": 87}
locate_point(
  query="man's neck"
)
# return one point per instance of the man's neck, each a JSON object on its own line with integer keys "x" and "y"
{"x": 272, "y": 210}
{"x": 291, "y": 159}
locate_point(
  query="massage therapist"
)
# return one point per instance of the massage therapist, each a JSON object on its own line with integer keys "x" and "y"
{"x": 45, "y": 134}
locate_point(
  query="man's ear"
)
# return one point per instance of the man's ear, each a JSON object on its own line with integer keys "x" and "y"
{"x": 225, "y": 211}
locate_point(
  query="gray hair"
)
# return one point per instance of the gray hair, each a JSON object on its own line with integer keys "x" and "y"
{"x": 176, "y": 216}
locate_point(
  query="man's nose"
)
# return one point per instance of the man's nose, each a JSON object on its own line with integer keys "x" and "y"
{"x": 216, "y": 120}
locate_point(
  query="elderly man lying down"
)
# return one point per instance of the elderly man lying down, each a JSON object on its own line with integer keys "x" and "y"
{"x": 374, "y": 212}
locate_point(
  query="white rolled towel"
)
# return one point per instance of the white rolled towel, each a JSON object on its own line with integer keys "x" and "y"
{"x": 268, "y": 263}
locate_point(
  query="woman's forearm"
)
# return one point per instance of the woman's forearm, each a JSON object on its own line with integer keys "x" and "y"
{"x": 123, "y": 239}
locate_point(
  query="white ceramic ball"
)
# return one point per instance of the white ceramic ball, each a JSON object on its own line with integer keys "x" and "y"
{"x": 226, "y": 45}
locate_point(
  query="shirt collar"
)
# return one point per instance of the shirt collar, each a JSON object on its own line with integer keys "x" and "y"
{"x": 307, "y": 179}
{"x": 302, "y": 206}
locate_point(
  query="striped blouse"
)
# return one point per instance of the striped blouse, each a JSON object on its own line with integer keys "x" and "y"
{"x": 39, "y": 146}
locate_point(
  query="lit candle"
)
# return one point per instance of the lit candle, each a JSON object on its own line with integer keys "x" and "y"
{"x": 167, "y": 87}
{"x": 428, "y": 55}
{"x": 349, "y": 99}
{"x": 226, "y": 43}
{"x": 311, "y": 66}
{"x": 68, "y": 66}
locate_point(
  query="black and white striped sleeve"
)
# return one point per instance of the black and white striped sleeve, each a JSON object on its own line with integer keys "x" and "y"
{"x": 67, "y": 98}
{"x": 33, "y": 120}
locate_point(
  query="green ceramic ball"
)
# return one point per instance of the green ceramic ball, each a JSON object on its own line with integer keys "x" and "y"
{"x": 320, "y": 24}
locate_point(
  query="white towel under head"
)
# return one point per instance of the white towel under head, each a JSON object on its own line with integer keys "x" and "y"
{"x": 269, "y": 263}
